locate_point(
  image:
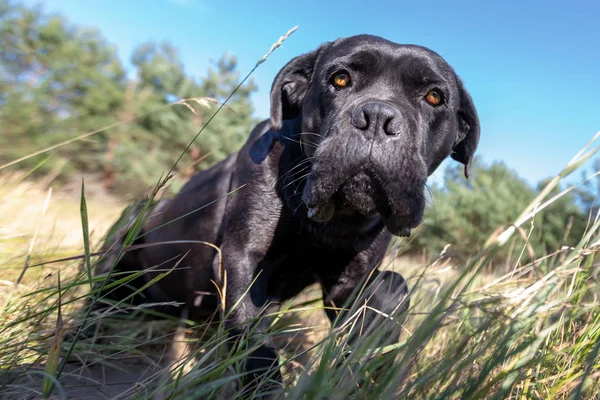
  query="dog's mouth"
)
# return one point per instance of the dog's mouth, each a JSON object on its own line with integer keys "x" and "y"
{"x": 364, "y": 194}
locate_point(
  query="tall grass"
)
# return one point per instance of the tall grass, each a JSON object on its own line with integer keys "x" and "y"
{"x": 530, "y": 334}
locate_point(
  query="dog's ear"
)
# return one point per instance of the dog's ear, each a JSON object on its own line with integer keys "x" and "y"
{"x": 467, "y": 136}
{"x": 290, "y": 87}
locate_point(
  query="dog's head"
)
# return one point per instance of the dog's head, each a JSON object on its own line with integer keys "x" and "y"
{"x": 377, "y": 119}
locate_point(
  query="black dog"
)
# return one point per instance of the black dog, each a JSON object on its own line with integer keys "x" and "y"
{"x": 356, "y": 128}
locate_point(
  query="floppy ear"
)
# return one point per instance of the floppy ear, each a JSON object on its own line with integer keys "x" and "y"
{"x": 290, "y": 87}
{"x": 468, "y": 130}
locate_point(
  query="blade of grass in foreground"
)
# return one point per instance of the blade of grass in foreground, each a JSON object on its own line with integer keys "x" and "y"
{"x": 50, "y": 378}
{"x": 86, "y": 235}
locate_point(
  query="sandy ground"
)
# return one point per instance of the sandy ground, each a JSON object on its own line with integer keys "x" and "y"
{"x": 84, "y": 382}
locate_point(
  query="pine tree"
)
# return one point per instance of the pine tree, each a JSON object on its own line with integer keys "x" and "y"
{"x": 464, "y": 213}
{"x": 59, "y": 81}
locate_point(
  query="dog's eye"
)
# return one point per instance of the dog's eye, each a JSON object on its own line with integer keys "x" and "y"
{"x": 341, "y": 79}
{"x": 435, "y": 97}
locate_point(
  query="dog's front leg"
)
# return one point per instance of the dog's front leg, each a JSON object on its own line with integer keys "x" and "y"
{"x": 244, "y": 252}
{"x": 367, "y": 303}
{"x": 373, "y": 318}
{"x": 245, "y": 298}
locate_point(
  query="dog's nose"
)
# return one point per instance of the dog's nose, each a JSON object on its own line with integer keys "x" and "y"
{"x": 378, "y": 116}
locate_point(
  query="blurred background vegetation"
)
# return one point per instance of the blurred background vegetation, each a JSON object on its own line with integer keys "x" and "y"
{"x": 59, "y": 80}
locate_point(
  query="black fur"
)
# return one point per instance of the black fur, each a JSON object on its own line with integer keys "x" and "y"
{"x": 354, "y": 159}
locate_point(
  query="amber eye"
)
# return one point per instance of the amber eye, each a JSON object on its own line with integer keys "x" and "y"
{"x": 435, "y": 97}
{"x": 341, "y": 79}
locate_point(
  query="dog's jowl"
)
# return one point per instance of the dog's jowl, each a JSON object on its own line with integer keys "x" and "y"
{"x": 356, "y": 127}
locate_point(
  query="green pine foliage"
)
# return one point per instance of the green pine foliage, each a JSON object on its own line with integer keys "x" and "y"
{"x": 59, "y": 81}
{"x": 464, "y": 212}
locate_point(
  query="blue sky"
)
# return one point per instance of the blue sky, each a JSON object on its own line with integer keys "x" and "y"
{"x": 532, "y": 67}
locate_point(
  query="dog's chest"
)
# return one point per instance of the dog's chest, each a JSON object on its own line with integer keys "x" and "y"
{"x": 297, "y": 264}
{"x": 288, "y": 270}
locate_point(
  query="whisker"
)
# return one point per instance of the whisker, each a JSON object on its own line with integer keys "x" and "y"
{"x": 429, "y": 200}
{"x": 312, "y": 133}
{"x": 297, "y": 179}
{"x": 294, "y": 176}
{"x": 299, "y": 205}
{"x": 299, "y": 142}
{"x": 291, "y": 171}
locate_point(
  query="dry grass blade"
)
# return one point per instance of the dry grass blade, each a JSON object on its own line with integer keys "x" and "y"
{"x": 201, "y": 101}
{"x": 277, "y": 44}
{"x": 55, "y": 348}
{"x": 86, "y": 235}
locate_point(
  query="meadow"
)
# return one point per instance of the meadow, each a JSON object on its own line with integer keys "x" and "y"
{"x": 511, "y": 320}
{"x": 529, "y": 333}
